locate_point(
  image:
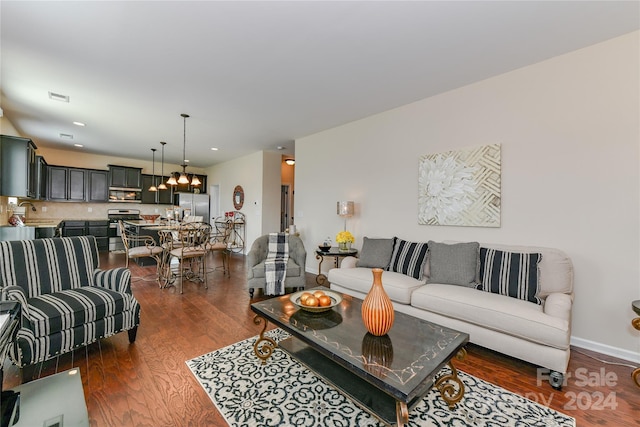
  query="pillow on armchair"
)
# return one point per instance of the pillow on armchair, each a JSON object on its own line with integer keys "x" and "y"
{"x": 375, "y": 253}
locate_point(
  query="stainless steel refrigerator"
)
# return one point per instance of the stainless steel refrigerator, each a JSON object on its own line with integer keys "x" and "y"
{"x": 198, "y": 204}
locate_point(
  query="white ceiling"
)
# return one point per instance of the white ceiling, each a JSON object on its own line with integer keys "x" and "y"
{"x": 256, "y": 75}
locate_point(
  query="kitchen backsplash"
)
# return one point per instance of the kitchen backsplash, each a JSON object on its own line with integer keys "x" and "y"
{"x": 65, "y": 210}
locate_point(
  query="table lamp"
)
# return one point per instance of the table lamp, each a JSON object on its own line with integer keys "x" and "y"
{"x": 345, "y": 210}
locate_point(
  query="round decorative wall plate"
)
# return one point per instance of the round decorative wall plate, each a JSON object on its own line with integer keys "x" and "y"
{"x": 238, "y": 197}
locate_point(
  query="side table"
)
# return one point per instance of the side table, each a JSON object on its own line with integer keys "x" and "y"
{"x": 336, "y": 254}
{"x": 636, "y": 324}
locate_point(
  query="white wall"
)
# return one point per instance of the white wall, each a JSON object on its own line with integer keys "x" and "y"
{"x": 569, "y": 129}
{"x": 247, "y": 172}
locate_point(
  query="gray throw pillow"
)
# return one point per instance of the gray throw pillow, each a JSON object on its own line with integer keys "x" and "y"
{"x": 455, "y": 264}
{"x": 375, "y": 253}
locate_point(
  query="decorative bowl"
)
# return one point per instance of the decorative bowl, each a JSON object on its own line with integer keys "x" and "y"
{"x": 150, "y": 218}
{"x": 336, "y": 299}
{"x": 324, "y": 248}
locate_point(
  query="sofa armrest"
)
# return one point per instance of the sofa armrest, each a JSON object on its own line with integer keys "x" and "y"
{"x": 348, "y": 262}
{"x": 16, "y": 293}
{"x": 559, "y": 305}
{"x": 115, "y": 279}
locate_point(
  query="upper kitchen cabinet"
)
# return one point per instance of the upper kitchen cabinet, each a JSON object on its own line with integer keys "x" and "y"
{"x": 162, "y": 197}
{"x": 41, "y": 170}
{"x": 98, "y": 186}
{"x": 67, "y": 184}
{"x": 125, "y": 177}
{"x": 18, "y": 167}
{"x": 188, "y": 188}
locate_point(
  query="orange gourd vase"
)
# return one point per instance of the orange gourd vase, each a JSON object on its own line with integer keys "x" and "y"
{"x": 377, "y": 309}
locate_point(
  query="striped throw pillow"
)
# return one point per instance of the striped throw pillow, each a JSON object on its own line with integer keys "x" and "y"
{"x": 408, "y": 258}
{"x": 510, "y": 273}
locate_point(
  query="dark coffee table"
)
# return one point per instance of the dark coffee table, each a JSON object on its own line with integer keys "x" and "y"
{"x": 386, "y": 375}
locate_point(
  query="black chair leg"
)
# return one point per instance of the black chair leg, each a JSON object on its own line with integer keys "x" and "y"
{"x": 132, "y": 334}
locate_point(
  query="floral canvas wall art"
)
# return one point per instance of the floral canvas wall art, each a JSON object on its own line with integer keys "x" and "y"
{"x": 460, "y": 187}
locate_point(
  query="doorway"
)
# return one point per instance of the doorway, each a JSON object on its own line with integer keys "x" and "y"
{"x": 285, "y": 206}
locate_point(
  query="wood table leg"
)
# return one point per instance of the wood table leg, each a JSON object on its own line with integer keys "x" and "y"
{"x": 264, "y": 345}
{"x": 402, "y": 413}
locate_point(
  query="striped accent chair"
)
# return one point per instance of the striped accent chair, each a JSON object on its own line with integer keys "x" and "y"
{"x": 67, "y": 301}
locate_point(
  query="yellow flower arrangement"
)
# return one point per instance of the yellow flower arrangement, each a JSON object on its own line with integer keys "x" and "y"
{"x": 344, "y": 237}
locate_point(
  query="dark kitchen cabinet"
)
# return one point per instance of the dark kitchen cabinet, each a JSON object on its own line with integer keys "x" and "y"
{"x": 98, "y": 186}
{"x": 57, "y": 179}
{"x": 100, "y": 230}
{"x": 125, "y": 177}
{"x": 66, "y": 184}
{"x": 42, "y": 178}
{"x": 188, "y": 188}
{"x": 77, "y": 185}
{"x": 97, "y": 228}
{"x": 162, "y": 197}
{"x": 18, "y": 167}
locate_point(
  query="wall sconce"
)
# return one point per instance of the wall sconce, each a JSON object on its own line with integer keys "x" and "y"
{"x": 345, "y": 210}
{"x": 290, "y": 162}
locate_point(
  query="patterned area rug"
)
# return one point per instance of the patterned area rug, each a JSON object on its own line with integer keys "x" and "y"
{"x": 283, "y": 392}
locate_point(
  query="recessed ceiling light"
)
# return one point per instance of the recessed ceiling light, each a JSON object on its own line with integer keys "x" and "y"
{"x": 79, "y": 124}
{"x": 58, "y": 97}
{"x": 280, "y": 147}
{"x": 186, "y": 160}
{"x": 78, "y": 145}
{"x": 214, "y": 149}
{"x": 66, "y": 136}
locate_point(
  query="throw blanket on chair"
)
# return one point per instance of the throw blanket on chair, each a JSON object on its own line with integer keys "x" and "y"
{"x": 275, "y": 266}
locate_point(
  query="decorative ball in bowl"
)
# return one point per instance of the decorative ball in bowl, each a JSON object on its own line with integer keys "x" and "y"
{"x": 324, "y": 247}
{"x": 150, "y": 218}
{"x": 316, "y": 300}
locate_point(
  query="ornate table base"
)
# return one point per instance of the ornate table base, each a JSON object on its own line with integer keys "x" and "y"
{"x": 450, "y": 386}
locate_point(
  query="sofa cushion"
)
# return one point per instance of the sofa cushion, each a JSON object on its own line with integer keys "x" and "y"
{"x": 510, "y": 273}
{"x": 64, "y": 310}
{"x": 453, "y": 264}
{"x": 408, "y": 258}
{"x": 375, "y": 253}
{"x": 293, "y": 269}
{"x": 500, "y": 313}
{"x": 397, "y": 285}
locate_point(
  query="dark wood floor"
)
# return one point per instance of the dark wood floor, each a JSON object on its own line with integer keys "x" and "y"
{"x": 149, "y": 384}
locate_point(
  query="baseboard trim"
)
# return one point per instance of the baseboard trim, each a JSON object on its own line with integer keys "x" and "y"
{"x": 620, "y": 353}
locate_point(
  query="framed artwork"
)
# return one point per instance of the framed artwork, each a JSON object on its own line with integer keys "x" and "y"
{"x": 460, "y": 187}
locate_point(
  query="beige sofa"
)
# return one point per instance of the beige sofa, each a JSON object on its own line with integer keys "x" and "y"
{"x": 536, "y": 333}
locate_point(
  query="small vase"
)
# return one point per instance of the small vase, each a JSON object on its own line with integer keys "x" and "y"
{"x": 377, "y": 309}
{"x": 344, "y": 246}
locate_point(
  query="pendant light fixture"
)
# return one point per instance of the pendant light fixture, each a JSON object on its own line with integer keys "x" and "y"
{"x": 183, "y": 176}
{"x": 153, "y": 178}
{"x": 162, "y": 185}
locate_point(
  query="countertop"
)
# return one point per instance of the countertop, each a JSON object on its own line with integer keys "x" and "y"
{"x": 37, "y": 223}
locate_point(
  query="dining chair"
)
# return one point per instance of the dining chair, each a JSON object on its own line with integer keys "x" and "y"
{"x": 219, "y": 242}
{"x": 192, "y": 252}
{"x": 136, "y": 246}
